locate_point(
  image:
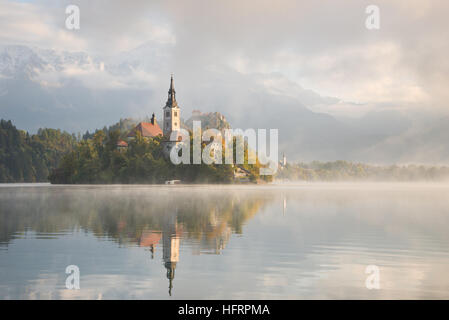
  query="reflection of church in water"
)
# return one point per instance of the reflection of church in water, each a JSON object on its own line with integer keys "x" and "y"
{"x": 170, "y": 235}
{"x": 212, "y": 242}
{"x": 170, "y": 248}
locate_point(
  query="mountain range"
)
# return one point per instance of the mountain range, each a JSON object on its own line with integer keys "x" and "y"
{"x": 76, "y": 91}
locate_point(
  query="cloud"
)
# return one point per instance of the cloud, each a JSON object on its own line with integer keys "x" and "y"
{"x": 32, "y": 24}
{"x": 322, "y": 47}
{"x": 273, "y": 59}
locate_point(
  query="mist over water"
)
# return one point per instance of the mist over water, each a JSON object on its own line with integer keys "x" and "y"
{"x": 310, "y": 240}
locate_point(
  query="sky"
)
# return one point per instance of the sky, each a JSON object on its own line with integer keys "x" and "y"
{"x": 233, "y": 56}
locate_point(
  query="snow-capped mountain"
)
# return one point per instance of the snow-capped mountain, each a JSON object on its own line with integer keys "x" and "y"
{"x": 76, "y": 91}
{"x": 21, "y": 60}
{"x": 70, "y": 90}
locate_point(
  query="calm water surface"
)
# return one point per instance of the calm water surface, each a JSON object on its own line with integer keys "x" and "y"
{"x": 235, "y": 242}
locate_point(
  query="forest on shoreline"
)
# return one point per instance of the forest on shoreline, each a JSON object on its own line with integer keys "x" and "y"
{"x": 31, "y": 158}
{"x": 60, "y": 157}
{"x": 340, "y": 170}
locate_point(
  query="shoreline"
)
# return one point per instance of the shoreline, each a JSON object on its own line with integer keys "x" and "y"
{"x": 292, "y": 185}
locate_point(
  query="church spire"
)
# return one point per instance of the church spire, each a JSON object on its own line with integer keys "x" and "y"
{"x": 170, "y": 266}
{"x": 171, "y": 102}
{"x": 172, "y": 113}
{"x": 172, "y": 86}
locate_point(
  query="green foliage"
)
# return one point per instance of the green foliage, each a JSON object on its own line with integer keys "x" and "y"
{"x": 25, "y": 158}
{"x": 62, "y": 158}
{"x": 97, "y": 160}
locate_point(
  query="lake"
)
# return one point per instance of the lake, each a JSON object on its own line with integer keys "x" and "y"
{"x": 303, "y": 241}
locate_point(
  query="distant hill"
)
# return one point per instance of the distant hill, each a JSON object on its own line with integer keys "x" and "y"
{"x": 208, "y": 120}
{"x": 352, "y": 171}
{"x": 79, "y": 91}
{"x": 124, "y": 126}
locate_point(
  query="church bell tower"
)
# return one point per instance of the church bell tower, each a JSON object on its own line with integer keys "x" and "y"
{"x": 172, "y": 116}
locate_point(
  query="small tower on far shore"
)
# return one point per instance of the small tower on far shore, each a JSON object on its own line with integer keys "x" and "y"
{"x": 283, "y": 162}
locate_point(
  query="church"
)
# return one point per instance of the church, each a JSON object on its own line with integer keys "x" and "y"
{"x": 172, "y": 120}
{"x": 171, "y": 124}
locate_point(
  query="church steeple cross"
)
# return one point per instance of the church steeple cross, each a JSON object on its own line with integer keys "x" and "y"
{"x": 171, "y": 91}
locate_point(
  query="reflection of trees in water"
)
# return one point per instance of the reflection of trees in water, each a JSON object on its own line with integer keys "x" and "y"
{"x": 123, "y": 216}
{"x": 144, "y": 218}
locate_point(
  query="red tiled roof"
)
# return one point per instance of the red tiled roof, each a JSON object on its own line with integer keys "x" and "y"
{"x": 122, "y": 143}
{"x": 146, "y": 129}
{"x": 150, "y": 238}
